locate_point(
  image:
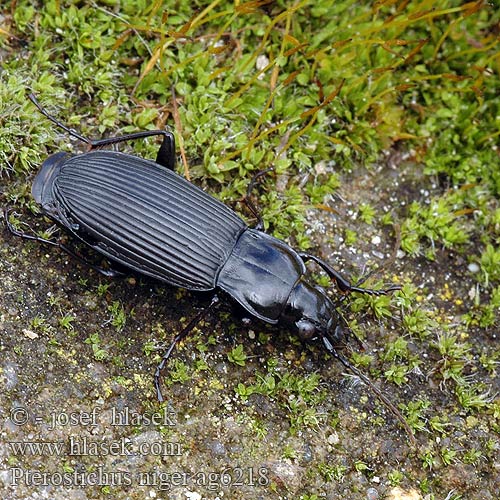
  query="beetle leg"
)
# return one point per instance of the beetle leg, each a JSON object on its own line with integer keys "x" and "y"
{"x": 112, "y": 273}
{"x": 248, "y": 200}
{"x": 183, "y": 333}
{"x": 55, "y": 121}
{"x": 343, "y": 283}
{"x": 166, "y": 153}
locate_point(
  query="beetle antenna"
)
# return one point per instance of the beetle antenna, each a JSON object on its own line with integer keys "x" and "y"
{"x": 329, "y": 344}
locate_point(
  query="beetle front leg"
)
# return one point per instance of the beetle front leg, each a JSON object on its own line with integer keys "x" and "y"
{"x": 344, "y": 284}
{"x": 183, "y": 333}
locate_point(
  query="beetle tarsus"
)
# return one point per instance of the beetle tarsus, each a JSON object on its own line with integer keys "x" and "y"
{"x": 183, "y": 333}
{"x": 55, "y": 121}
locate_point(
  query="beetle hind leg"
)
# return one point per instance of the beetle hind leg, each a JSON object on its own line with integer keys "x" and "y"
{"x": 166, "y": 153}
{"x": 56, "y": 122}
{"x": 112, "y": 273}
{"x": 21, "y": 234}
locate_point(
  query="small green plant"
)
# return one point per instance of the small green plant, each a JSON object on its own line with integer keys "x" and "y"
{"x": 448, "y": 456}
{"x": 118, "y": 316}
{"x": 323, "y": 186}
{"x": 298, "y": 395}
{"x": 395, "y": 477}
{"x": 472, "y": 456}
{"x": 396, "y": 349}
{"x": 490, "y": 265}
{"x": 258, "y": 428}
{"x": 414, "y": 413}
{"x": 438, "y": 423}
{"x": 244, "y": 391}
{"x": 381, "y": 306}
{"x": 418, "y": 323}
{"x": 178, "y": 372}
{"x": 289, "y": 452}
{"x": 429, "y": 460}
{"x": 361, "y": 359}
{"x": 436, "y": 222}
{"x": 332, "y": 472}
{"x": 200, "y": 365}
{"x": 94, "y": 340}
{"x": 102, "y": 289}
{"x": 54, "y": 300}
{"x": 454, "y": 356}
{"x": 397, "y": 374}
{"x": 473, "y": 396}
{"x": 149, "y": 347}
{"x": 366, "y": 213}
{"x": 303, "y": 417}
{"x": 38, "y": 323}
{"x": 66, "y": 322}
{"x": 361, "y": 466}
{"x": 490, "y": 361}
{"x": 425, "y": 486}
{"x": 350, "y": 237}
{"x": 237, "y": 355}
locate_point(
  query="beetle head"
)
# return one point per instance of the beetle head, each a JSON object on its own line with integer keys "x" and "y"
{"x": 310, "y": 314}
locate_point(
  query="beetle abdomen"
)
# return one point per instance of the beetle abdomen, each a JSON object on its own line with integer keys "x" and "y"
{"x": 146, "y": 217}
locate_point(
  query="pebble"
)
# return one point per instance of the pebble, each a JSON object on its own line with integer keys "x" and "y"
{"x": 333, "y": 439}
{"x": 217, "y": 448}
{"x": 10, "y": 375}
{"x": 473, "y": 267}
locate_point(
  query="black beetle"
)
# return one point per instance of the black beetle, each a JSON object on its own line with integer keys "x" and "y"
{"x": 144, "y": 217}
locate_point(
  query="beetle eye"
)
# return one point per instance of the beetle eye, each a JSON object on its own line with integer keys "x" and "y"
{"x": 305, "y": 329}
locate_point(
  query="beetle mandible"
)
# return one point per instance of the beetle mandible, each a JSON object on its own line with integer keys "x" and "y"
{"x": 146, "y": 218}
